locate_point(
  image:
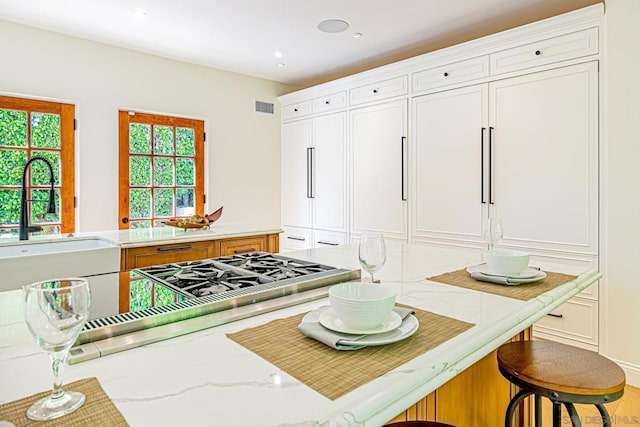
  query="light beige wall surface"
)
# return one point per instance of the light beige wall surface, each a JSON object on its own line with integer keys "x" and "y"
{"x": 243, "y": 146}
{"x": 620, "y": 168}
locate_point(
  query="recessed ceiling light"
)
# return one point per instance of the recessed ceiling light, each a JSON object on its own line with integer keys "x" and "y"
{"x": 333, "y": 26}
{"x": 139, "y": 14}
{"x": 357, "y": 35}
{"x": 280, "y": 64}
{"x": 277, "y": 54}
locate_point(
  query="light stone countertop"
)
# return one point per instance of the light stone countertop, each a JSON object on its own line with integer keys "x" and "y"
{"x": 206, "y": 379}
{"x": 156, "y": 235}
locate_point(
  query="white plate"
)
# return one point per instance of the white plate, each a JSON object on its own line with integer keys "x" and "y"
{"x": 528, "y": 273}
{"x": 503, "y": 280}
{"x": 330, "y": 320}
{"x": 407, "y": 328}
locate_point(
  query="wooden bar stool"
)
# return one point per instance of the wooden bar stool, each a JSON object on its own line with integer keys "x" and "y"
{"x": 563, "y": 374}
{"x": 417, "y": 424}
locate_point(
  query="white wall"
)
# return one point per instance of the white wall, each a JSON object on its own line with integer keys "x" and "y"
{"x": 620, "y": 315}
{"x": 243, "y": 146}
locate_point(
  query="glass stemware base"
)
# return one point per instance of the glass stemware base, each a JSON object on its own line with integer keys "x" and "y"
{"x": 51, "y": 407}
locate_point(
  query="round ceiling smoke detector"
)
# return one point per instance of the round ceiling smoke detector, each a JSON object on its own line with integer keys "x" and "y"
{"x": 333, "y": 26}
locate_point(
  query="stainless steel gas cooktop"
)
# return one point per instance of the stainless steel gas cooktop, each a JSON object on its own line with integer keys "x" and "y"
{"x": 173, "y": 299}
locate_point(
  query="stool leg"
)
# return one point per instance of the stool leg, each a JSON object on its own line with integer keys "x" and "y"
{"x": 557, "y": 417}
{"x": 573, "y": 415}
{"x": 538, "y": 411}
{"x": 606, "y": 419}
{"x": 508, "y": 418}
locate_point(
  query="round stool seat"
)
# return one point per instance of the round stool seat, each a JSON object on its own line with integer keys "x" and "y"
{"x": 561, "y": 368}
{"x": 417, "y": 424}
{"x": 561, "y": 373}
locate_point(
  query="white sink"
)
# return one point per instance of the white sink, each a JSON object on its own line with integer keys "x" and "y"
{"x": 27, "y": 262}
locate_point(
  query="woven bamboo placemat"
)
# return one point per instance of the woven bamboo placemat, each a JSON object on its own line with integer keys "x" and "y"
{"x": 97, "y": 410}
{"x": 522, "y": 292}
{"x": 334, "y": 373}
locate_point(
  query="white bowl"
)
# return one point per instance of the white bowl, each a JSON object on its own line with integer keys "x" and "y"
{"x": 507, "y": 262}
{"x": 362, "y": 305}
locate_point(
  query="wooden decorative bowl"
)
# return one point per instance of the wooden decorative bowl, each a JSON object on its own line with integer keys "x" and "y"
{"x": 207, "y": 220}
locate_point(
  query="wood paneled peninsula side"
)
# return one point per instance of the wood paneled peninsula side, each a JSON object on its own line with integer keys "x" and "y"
{"x": 160, "y": 245}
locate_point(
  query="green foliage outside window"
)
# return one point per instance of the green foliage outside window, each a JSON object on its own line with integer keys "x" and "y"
{"x": 13, "y": 128}
{"x": 45, "y": 130}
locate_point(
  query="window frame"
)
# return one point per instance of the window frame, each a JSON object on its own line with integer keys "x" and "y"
{"x": 67, "y": 157}
{"x": 127, "y": 117}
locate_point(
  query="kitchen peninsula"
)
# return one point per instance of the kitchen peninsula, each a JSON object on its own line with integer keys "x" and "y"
{"x": 206, "y": 378}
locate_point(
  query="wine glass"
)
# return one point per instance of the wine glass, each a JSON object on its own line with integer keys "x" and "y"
{"x": 372, "y": 253}
{"x": 55, "y": 311}
{"x": 493, "y": 232}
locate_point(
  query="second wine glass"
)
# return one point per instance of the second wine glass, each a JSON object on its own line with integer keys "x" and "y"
{"x": 493, "y": 233}
{"x": 372, "y": 253}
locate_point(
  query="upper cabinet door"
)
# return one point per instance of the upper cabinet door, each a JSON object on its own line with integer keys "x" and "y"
{"x": 449, "y": 153}
{"x": 296, "y": 197}
{"x": 329, "y": 164}
{"x": 545, "y": 158}
{"x": 379, "y": 169}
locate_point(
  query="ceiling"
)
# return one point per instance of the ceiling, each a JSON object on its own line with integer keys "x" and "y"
{"x": 243, "y": 36}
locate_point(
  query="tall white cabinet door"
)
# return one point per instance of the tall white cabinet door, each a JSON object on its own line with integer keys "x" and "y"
{"x": 296, "y": 202}
{"x": 449, "y": 153}
{"x": 329, "y": 172}
{"x": 378, "y": 162}
{"x": 545, "y": 158}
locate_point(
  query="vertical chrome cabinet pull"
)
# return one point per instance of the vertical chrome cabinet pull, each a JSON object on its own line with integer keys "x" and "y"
{"x": 312, "y": 173}
{"x": 491, "y": 165}
{"x": 308, "y": 172}
{"x": 482, "y": 200}
{"x": 402, "y": 171}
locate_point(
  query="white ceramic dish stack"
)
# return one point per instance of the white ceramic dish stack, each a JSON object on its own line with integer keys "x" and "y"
{"x": 362, "y": 306}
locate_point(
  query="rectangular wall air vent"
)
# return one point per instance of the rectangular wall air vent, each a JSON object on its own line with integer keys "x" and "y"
{"x": 264, "y": 107}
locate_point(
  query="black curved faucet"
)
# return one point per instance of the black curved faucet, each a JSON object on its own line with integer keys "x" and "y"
{"x": 25, "y": 228}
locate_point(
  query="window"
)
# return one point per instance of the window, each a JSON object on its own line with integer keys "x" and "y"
{"x": 31, "y": 128}
{"x": 161, "y": 169}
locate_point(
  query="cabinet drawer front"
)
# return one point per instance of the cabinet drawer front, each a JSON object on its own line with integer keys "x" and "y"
{"x": 380, "y": 90}
{"x": 294, "y": 239}
{"x": 322, "y": 239}
{"x": 243, "y": 245}
{"x": 163, "y": 254}
{"x": 330, "y": 102}
{"x": 449, "y": 74}
{"x": 301, "y": 109}
{"x": 577, "y": 319}
{"x": 574, "y": 45}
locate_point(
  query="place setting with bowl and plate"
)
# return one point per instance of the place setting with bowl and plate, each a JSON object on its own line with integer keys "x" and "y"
{"x": 504, "y": 272}
{"x": 361, "y": 314}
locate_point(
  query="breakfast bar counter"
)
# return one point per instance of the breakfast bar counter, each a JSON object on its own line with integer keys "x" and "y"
{"x": 207, "y": 378}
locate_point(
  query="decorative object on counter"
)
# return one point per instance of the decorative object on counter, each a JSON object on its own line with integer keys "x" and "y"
{"x": 524, "y": 292}
{"x": 55, "y": 311}
{"x": 563, "y": 374}
{"x": 195, "y": 221}
{"x": 334, "y": 373}
{"x": 312, "y": 325}
{"x": 506, "y": 262}
{"x": 360, "y": 305}
{"x": 372, "y": 253}
{"x": 97, "y": 410}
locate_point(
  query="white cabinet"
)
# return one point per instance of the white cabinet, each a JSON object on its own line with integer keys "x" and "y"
{"x": 544, "y": 158}
{"x": 295, "y": 239}
{"x": 314, "y": 181}
{"x": 379, "y": 169}
{"x": 448, "y": 150}
{"x": 532, "y": 162}
{"x": 296, "y": 193}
